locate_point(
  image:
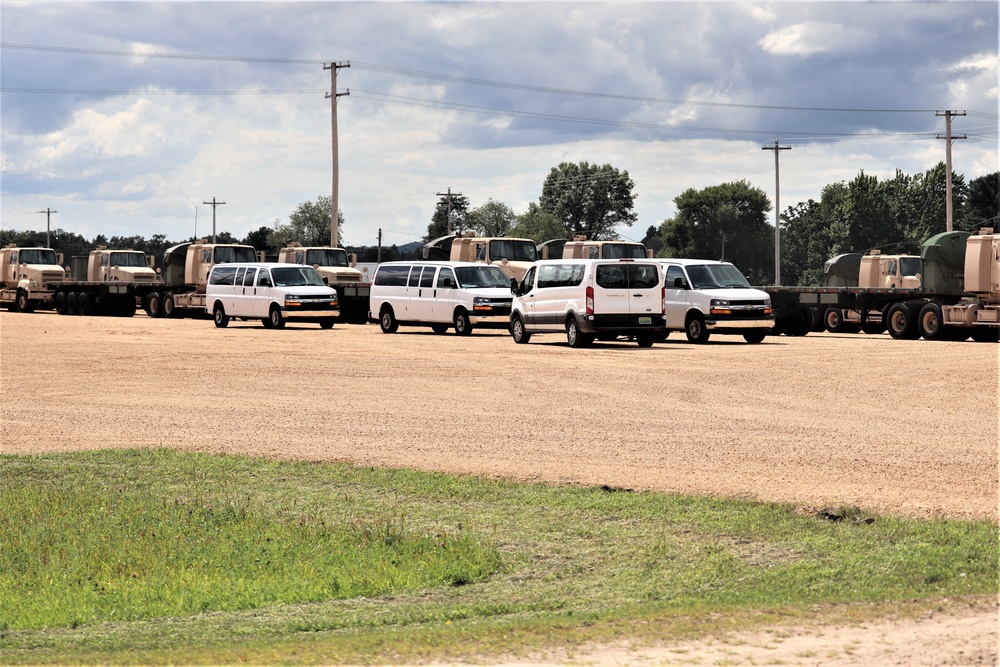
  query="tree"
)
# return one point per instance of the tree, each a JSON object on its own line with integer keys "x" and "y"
{"x": 652, "y": 240}
{"x": 537, "y": 225}
{"x": 309, "y": 224}
{"x": 728, "y": 222}
{"x": 589, "y": 199}
{"x": 491, "y": 219}
{"x": 983, "y": 203}
{"x": 261, "y": 239}
{"x": 455, "y": 204}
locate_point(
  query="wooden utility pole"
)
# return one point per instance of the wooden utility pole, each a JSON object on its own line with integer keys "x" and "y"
{"x": 449, "y": 195}
{"x": 48, "y": 225}
{"x": 777, "y": 210}
{"x": 213, "y": 204}
{"x": 334, "y": 191}
{"x": 947, "y": 161}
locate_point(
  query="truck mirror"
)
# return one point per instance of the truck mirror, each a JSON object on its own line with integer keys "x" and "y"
{"x": 354, "y": 259}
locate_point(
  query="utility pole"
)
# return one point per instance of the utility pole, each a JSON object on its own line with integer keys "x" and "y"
{"x": 48, "y": 225}
{"x": 777, "y": 226}
{"x": 334, "y": 191}
{"x": 378, "y": 257}
{"x": 947, "y": 160}
{"x": 449, "y": 195}
{"x": 213, "y": 204}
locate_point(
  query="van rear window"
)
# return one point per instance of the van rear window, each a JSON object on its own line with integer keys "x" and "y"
{"x": 627, "y": 276}
{"x": 392, "y": 276}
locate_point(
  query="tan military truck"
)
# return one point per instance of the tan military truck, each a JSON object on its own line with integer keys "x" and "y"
{"x": 337, "y": 268}
{"x": 186, "y": 267}
{"x": 27, "y": 276}
{"x": 106, "y": 282}
{"x": 513, "y": 256}
{"x": 582, "y": 248}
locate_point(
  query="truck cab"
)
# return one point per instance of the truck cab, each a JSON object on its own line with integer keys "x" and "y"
{"x": 512, "y": 255}
{"x": 581, "y": 248}
{"x": 334, "y": 265}
{"x": 128, "y": 266}
{"x": 26, "y": 275}
{"x": 890, "y": 271}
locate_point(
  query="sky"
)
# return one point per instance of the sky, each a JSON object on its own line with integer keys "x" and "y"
{"x": 125, "y": 117}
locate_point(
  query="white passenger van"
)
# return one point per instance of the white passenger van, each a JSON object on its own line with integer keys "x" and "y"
{"x": 270, "y": 292}
{"x": 588, "y": 299}
{"x": 702, "y": 296}
{"x": 465, "y": 295}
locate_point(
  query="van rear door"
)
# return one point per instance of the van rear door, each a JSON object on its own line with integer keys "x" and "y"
{"x": 627, "y": 294}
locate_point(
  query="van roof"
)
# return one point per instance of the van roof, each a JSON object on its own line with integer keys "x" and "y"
{"x": 621, "y": 260}
{"x": 689, "y": 262}
{"x": 260, "y": 265}
{"x": 424, "y": 262}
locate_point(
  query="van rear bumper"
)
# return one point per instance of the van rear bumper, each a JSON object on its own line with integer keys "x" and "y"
{"x": 625, "y": 324}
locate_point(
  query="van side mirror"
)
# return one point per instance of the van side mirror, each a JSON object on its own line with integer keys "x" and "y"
{"x": 679, "y": 283}
{"x": 514, "y": 286}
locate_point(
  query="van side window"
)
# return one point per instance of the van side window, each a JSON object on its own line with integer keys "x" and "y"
{"x": 643, "y": 276}
{"x": 427, "y": 277}
{"x": 248, "y": 279}
{"x": 446, "y": 278}
{"x": 392, "y": 276}
{"x": 674, "y": 272}
{"x": 414, "y": 277}
{"x": 560, "y": 275}
{"x": 240, "y": 273}
{"x": 223, "y": 275}
{"x": 528, "y": 281}
{"x": 263, "y": 278}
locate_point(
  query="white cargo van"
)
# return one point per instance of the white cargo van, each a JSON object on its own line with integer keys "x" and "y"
{"x": 588, "y": 299}
{"x": 270, "y": 292}
{"x": 701, "y": 296}
{"x": 465, "y": 295}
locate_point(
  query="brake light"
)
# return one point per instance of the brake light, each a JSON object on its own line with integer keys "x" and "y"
{"x": 590, "y": 300}
{"x": 663, "y": 300}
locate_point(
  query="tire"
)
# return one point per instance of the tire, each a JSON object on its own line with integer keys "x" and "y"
{"x": 645, "y": 338}
{"x": 755, "y": 337}
{"x": 695, "y": 329}
{"x": 85, "y": 304}
{"x": 873, "y": 327}
{"x": 72, "y": 303}
{"x": 127, "y": 308}
{"x": 60, "y": 302}
{"x": 517, "y": 331}
{"x": 902, "y": 321}
{"x": 833, "y": 320}
{"x": 982, "y": 334}
{"x": 168, "y": 305}
{"x": 661, "y": 336}
{"x": 154, "y": 305}
{"x": 930, "y": 322}
{"x": 462, "y": 325}
{"x": 574, "y": 336}
{"x": 219, "y": 315}
{"x": 275, "y": 318}
{"x": 24, "y": 304}
{"x": 814, "y": 320}
{"x": 439, "y": 328}
{"x": 387, "y": 320}
{"x": 327, "y": 323}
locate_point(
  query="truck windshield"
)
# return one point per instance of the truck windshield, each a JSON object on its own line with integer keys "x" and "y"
{"x": 909, "y": 266}
{"x": 295, "y": 276}
{"x": 235, "y": 253}
{"x": 514, "y": 251}
{"x": 481, "y": 276}
{"x": 623, "y": 250}
{"x": 38, "y": 256}
{"x": 707, "y": 276}
{"x": 327, "y": 257}
{"x": 128, "y": 259}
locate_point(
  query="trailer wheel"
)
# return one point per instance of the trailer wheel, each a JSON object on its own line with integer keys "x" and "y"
{"x": 931, "y": 322}
{"x": 24, "y": 304}
{"x": 387, "y": 320}
{"x": 154, "y": 304}
{"x": 873, "y": 327}
{"x": 463, "y": 327}
{"x": 126, "y": 307}
{"x": 517, "y": 331}
{"x": 902, "y": 321}
{"x": 219, "y": 314}
{"x": 60, "y": 302}
{"x": 85, "y": 304}
{"x": 696, "y": 330}
{"x": 167, "y": 305}
{"x": 71, "y": 300}
{"x": 833, "y": 319}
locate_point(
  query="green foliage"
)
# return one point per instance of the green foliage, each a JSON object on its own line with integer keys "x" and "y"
{"x": 456, "y": 206}
{"x": 491, "y": 219}
{"x": 537, "y": 225}
{"x": 984, "y": 200}
{"x": 727, "y": 222}
{"x": 589, "y": 199}
{"x": 309, "y": 225}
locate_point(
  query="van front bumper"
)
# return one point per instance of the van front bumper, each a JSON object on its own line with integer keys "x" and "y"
{"x": 735, "y": 324}
{"x": 488, "y": 321}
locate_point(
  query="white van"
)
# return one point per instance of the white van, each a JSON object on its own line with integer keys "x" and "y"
{"x": 702, "y": 296}
{"x": 588, "y": 299}
{"x": 465, "y": 295}
{"x": 270, "y": 292}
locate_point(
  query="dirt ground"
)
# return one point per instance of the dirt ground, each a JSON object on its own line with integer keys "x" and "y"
{"x": 903, "y": 427}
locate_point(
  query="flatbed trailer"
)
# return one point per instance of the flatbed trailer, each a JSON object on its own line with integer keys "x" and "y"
{"x": 86, "y": 297}
{"x": 353, "y": 299}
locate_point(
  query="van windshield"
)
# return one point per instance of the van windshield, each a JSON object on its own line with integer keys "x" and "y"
{"x": 707, "y": 276}
{"x": 481, "y": 276}
{"x": 295, "y": 276}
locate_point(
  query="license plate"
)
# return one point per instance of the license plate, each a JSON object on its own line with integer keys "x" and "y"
{"x": 645, "y": 320}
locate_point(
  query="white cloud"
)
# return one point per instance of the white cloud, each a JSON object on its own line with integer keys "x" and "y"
{"x": 764, "y": 14}
{"x": 812, "y": 37}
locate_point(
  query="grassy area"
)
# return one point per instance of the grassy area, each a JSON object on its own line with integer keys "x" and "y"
{"x": 161, "y": 556}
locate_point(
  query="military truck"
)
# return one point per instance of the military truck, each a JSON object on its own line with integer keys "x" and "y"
{"x": 106, "y": 282}
{"x": 951, "y": 291}
{"x": 581, "y": 248}
{"x": 27, "y": 276}
{"x": 185, "y": 275}
{"x": 338, "y": 270}
{"x": 512, "y": 255}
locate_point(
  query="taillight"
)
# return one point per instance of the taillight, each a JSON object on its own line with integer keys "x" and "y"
{"x": 663, "y": 299}
{"x": 590, "y": 300}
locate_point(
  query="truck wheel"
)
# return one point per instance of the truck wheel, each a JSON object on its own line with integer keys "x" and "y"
{"x": 696, "y": 330}
{"x": 85, "y": 304}
{"x": 219, "y": 314}
{"x": 902, "y": 321}
{"x": 167, "y": 304}
{"x": 154, "y": 305}
{"x": 982, "y": 334}
{"x": 462, "y": 325}
{"x": 754, "y": 337}
{"x": 71, "y": 305}
{"x": 387, "y": 320}
{"x": 126, "y": 308}
{"x": 517, "y": 331}
{"x": 24, "y": 304}
{"x": 833, "y": 319}
{"x": 275, "y": 318}
{"x": 815, "y": 320}
{"x": 645, "y": 338}
{"x": 931, "y": 322}
{"x": 60, "y": 302}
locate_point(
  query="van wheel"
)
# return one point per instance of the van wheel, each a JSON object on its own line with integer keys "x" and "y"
{"x": 517, "y": 331}
{"x": 219, "y": 314}
{"x": 462, "y": 325}
{"x": 168, "y": 305}
{"x": 754, "y": 337}
{"x": 695, "y": 329}
{"x": 275, "y": 318}
{"x": 574, "y": 336}
{"x": 327, "y": 323}
{"x": 387, "y": 320}
{"x": 439, "y": 328}
{"x": 645, "y": 338}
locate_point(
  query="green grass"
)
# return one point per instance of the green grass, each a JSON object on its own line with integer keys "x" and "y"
{"x": 160, "y": 556}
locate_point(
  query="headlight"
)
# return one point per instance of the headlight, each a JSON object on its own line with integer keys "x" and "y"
{"x": 292, "y": 301}
{"x": 720, "y": 307}
{"x": 720, "y": 303}
{"x": 482, "y": 303}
